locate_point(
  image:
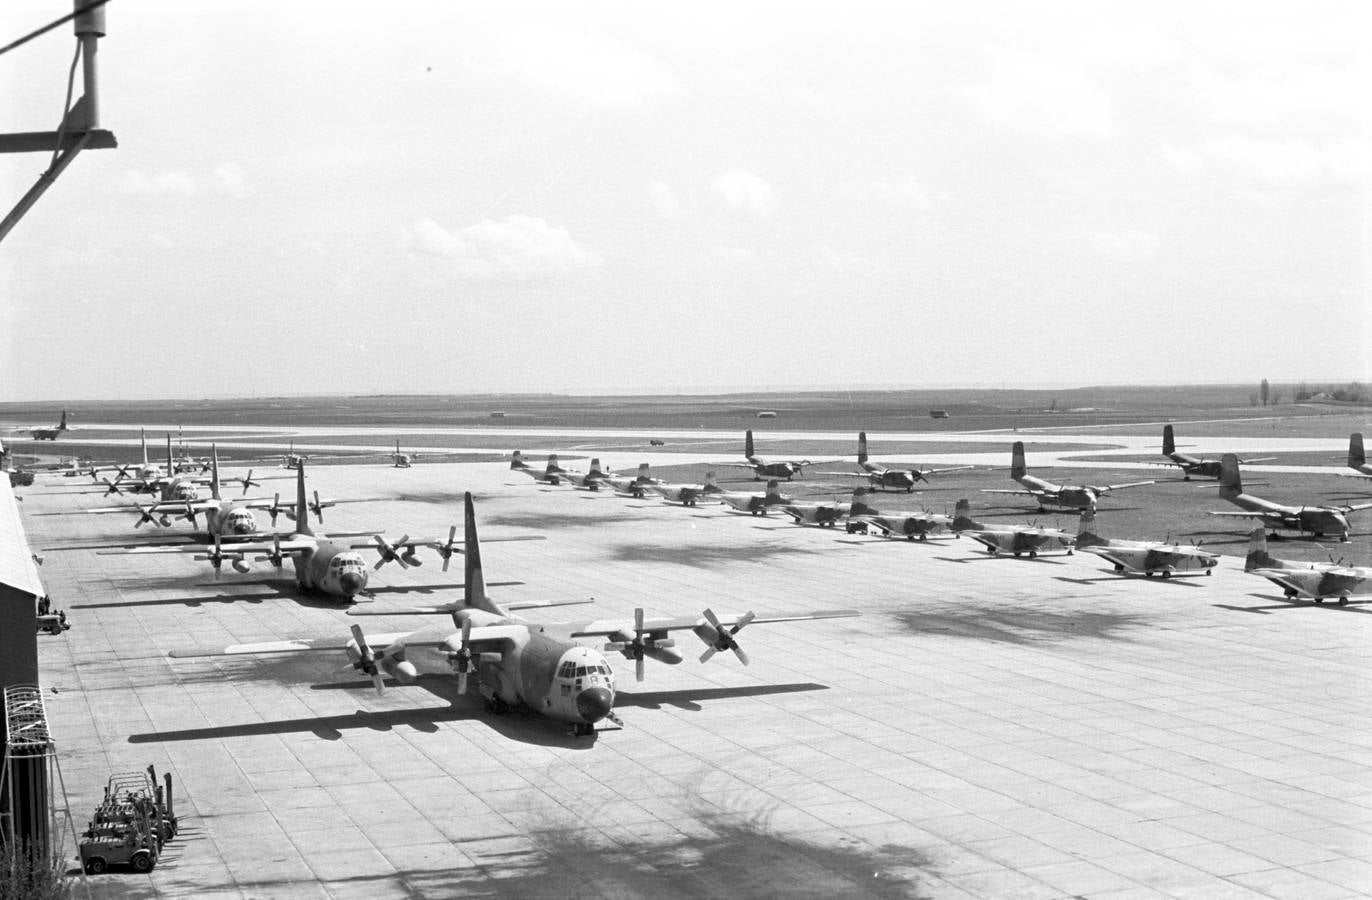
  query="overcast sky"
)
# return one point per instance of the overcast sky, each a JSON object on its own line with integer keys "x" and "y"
{"x": 452, "y": 197}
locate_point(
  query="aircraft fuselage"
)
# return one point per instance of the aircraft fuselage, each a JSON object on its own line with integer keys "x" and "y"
{"x": 332, "y": 569}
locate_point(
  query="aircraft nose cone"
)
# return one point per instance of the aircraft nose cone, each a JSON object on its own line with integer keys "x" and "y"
{"x": 242, "y": 528}
{"x": 350, "y": 583}
{"x": 594, "y": 704}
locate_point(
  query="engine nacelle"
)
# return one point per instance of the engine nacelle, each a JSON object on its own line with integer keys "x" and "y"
{"x": 240, "y": 566}
{"x": 398, "y": 668}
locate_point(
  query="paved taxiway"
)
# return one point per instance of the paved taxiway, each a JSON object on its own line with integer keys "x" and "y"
{"x": 988, "y": 728}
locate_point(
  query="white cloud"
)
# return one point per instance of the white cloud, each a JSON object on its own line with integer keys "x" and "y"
{"x": 734, "y": 254}
{"x": 1042, "y": 97}
{"x": 1274, "y": 162}
{"x": 227, "y": 179}
{"x": 848, "y": 261}
{"x": 664, "y": 200}
{"x": 587, "y": 67}
{"x": 517, "y": 248}
{"x": 1126, "y": 246}
{"x": 743, "y": 191}
{"x": 1285, "y": 98}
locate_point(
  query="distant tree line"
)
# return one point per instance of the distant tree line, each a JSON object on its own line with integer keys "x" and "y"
{"x": 1353, "y": 392}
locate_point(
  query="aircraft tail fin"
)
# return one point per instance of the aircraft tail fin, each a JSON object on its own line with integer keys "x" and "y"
{"x": 552, "y": 467}
{"x": 1258, "y": 557}
{"x": 595, "y": 467}
{"x": 859, "y": 506}
{"x": 1017, "y": 468}
{"x": 62, "y": 425}
{"x": 862, "y": 447}
{"x": 143, "y": 440}
{"x": 171, "y": 463}
{"x": 1356, "y": 456}
{"x": 1169, "y": 444}
{"x": 302, "y": 503}
{"x": 474, "y": 590}
{"x": 748, "y": 444}
{"x": 1086, "y": 530}
{"x": 643, "y": 475}
{"x": 214, "y": 472}
{"x": 1231, "y": 482}
{"x": 710, "y": 487}
{"x": 517, "y": 461}
{"x": 774, "y": 492}
{"x": 962, "y": 516}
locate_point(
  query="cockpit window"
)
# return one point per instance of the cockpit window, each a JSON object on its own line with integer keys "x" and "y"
{"x": 567, "y": 670}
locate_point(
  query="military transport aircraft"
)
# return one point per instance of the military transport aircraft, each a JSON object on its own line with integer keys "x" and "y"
{"x": 1315, "y": 520}
{"x": 1190, "y": 465}
{"x": 590, "y": 480}
{"x": 762, "y": 468}
{"x": 149, "y": 477}
{"x": 1315, "y": 581}
{"x": 632, "y": 485}
{"x": 901, "y": 478}
{"x": 552, "y": 473}
{"x": 1357, "y": 458}
{"x": 911, "y": 525}
{"x": 1143, "y": 557}
{"x": 1066, "y": 496}
{"x": 685, "y": 494}
{"x": 823, "y": 513}
{"x": 753, "y": 501}
{"x": 517, "y": 663}
{"x": 402, "y": 460}
{"x": 323, "y": 565}
{"x": 1016, "y": 539}
{"x": 40, "y": 433}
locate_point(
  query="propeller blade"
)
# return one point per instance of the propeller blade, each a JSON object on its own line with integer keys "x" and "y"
{"x": 446, "y": 551}
{"x": 318, "y": 509}
{"x": 275, "y": 509}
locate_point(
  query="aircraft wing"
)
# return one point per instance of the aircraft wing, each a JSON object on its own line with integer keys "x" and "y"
{"x": 1354, "y": 507}
{"x": 308, "y": 645}
{"x": 163, "y": 506}
{"x": 447, "y": 608}
{"x": 1258, "y": 460}
{"x": 1127, "y": 484}
{"x": 849, "y": 474}
{"x": 607, "y": 627}
{"x": 1248, "y": 514}
{"x": 1008, "y": 491}
{"x": 252, "y": 546}
{"x": 942, "y": 469}
{"x": 1354, "y": 474}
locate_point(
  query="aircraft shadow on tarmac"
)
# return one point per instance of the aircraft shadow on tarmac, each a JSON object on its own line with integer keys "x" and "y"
{"x": 988, "y": 557}
{"x": 1280, "y": 603}
{"x": 1021, "y": 626}
{"x": 1190, "y": 581}
{"x": 702, "y": 556}
{"x": 310, "y": 601}
{"x": 524, "y": 726}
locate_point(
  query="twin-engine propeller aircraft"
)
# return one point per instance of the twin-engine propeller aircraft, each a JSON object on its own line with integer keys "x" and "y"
{"x": 401, "y": 460}
{"x": 1313, "y": 581}
{"x": 822, "y": 513}
{"x": 903, "y": 479}
{"x": 754, "y": 502}
{"x": 1146, "y": 558}
{"x": 520, "y": 664}
{"x": 590, "y": 480}
{"x": 632, "y": 485}
{"x": 686, "y": 494}
{"x": 1314, "y": 520}
{"x": 1065, "y": 496}
{"x": 327, "y": 564}
{"x": 552, "y": 473}
{"x": 1191, "y": 465}
{"x": 1030, "y": 540}
{"x": 787, "y": 469}
{"x": 915, "y": 526}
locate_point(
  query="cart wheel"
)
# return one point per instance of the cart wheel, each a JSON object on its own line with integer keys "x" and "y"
{"x": 141, "y": 861}
{"x": 95, "y": 865}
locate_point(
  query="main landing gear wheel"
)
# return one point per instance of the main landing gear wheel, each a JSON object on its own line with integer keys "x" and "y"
{"x": 1119, "y": 568}
{"x": 1343, "y": 601}
{"x": 497, "y": 706}
{"x": 1319, "y": 599}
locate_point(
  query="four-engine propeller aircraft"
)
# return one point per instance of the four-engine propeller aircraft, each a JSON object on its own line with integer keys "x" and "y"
{"x": 516, "y": 663}
{"x": 42, "y": 433}
{"x": 1314, "y": 581}
{"x": 1066, "y": 496}
{"x": 915, "y": 526}
{"x": 762, "y": 468}
{"x": 1019, "y": 540}
{"x": 1190, "y": 465}
{"x": 903, "y": 479}
{"x": 753, "y": 501}
{"x": 1143, "y": 557}
{"x": 685, "y": 494}
{"x": 1314, "y": 520}
{"x": 327, "y": 564}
